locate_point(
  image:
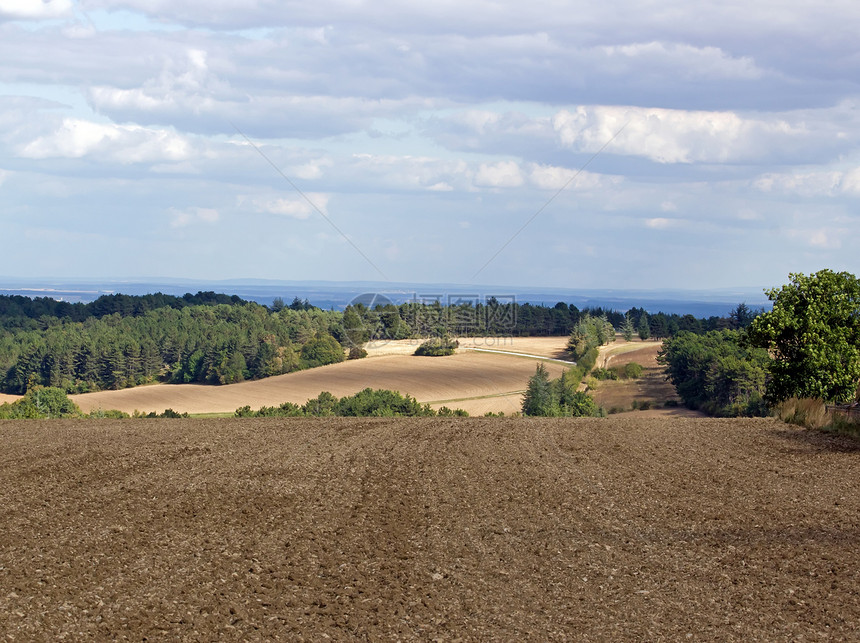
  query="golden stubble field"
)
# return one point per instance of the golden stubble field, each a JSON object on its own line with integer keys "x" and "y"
{"x": 479, "y": 529}
{"x": 476, "y": 380}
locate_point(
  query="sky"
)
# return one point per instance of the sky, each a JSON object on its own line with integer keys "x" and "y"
{"x": 623, "y": 144}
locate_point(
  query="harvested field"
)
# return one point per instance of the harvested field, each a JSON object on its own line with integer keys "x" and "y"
{"x": 652, "y": 386}
{"x": 551, "y": 347}
{"x": 467, "y": 374}
{"x": 8, "y": 398}
{"x": 428, "y": 529}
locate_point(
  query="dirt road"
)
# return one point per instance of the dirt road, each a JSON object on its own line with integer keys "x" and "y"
{"x": 434, "y": 529}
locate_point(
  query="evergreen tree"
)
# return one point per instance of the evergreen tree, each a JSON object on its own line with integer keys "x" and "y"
{"x": 627, "y": 328}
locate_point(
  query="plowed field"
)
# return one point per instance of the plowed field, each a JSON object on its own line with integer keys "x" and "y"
{"x": 430, "y": 529}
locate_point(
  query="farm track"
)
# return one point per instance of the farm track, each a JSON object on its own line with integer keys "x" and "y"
{"x": 423, "y": 529}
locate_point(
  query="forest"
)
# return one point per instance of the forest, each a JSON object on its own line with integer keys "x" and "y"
{"x": 119, "y": 341}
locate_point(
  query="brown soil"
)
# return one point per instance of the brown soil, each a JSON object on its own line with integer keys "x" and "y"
{"x": 434, "y": 529}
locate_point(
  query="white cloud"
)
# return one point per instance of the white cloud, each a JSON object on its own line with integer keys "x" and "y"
{"x": 818, "y": 238}
{"x": 687, "y": 60}
{"x": 851, "y": 182}
{"x": 403, "y": 172}
{"x": 35, "y": 9}
{"x": 440, "y": 187}
{"x": 670, "y": 135}
{"x": 504, "y": 174}
{"x": 295, "y": 207}
{"x": 190, "y": 216}
{"x": 660, "y": 223}
{"x": 313, "y": 169}
{"x": 814, "y": 183}
{"x": 77, "y": 138}
{"x": 547, "y": 177}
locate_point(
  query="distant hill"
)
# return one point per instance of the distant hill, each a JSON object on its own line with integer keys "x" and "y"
{"x": 337, "y": 295}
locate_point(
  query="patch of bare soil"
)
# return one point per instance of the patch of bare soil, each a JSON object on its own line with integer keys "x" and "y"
{"x": 433, "y": 529}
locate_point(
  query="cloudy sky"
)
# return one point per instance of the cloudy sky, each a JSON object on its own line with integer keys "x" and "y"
{"x": 625, "y": 144}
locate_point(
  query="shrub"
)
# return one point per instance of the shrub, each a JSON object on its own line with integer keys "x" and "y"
{"x": 589, "y": 359}
{"x": 111, "y": 414}
{"x": 557, "y": 398}
{"x": 320, "y": 351}
{"x": 40, "y": 403}
{"x": 605, "y": 374}
{"x": 322, "y": 405}
{"x": 167, "y": 413}
{"x": 437, "y": 347}
{"x": 356, "y": 353}
{"x": 632, "y": 370}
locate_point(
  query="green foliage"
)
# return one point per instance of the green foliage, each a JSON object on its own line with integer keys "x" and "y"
{"x": 40, "y": 403}
{"x": 587, "y": 362}
{"x": 538, "y": 398}
{"x": 557, "y": 398}
{"x": 215, "y": 344}
{"x": 320, "y": 351}
{"x": 365, "y": 403}
{"x": 627, "y": 328}
{"x": 355, "y": 330}
{"x": 644, "y": 328}
{"x": 588, "y": 334}
{"x": 167, "y": 413}
{"x": 108, "y": 414}
{"x": 120, "y": 341}
{"x": 604, "y": 374}
{"x": 630, "y": 371}
{"x": 325, "y": 404}
{"x": 444, "y": 411}
{"x": 437, "y": 347}
{"x": 813, "y": 334}
{"x": 357, "y": 353}
{"x": 717, "y": 373}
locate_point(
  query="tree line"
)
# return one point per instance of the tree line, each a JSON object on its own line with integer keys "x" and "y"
{"x": 216, "y": 344}
{"x": 120, "y": 341}
{"x": 806, "y": 347}
{"x": 17, "y": 311}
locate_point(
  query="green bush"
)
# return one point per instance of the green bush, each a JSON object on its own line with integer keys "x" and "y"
{"x": 107, "y": 414}
{"x": 557, "y": 398}
{"x": 632, "y": 370}
{"x": 366, "y": 403}
{"x": 167, "y": 413}
{"x": 320, "y": 351}
{"x": 604, "y": 374}
{"x": 587, "y": 362}
{"x": 40, "y": 403}
{"x": 437, "y": 347}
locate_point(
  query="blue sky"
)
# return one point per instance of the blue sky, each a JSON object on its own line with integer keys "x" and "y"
{"x": 720, "y": 141}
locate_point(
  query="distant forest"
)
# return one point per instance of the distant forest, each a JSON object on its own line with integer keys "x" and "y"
{"x": 119, "y": 341}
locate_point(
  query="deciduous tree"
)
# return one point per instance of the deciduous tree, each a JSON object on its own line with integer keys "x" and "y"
{"x": 813, "y": 335}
